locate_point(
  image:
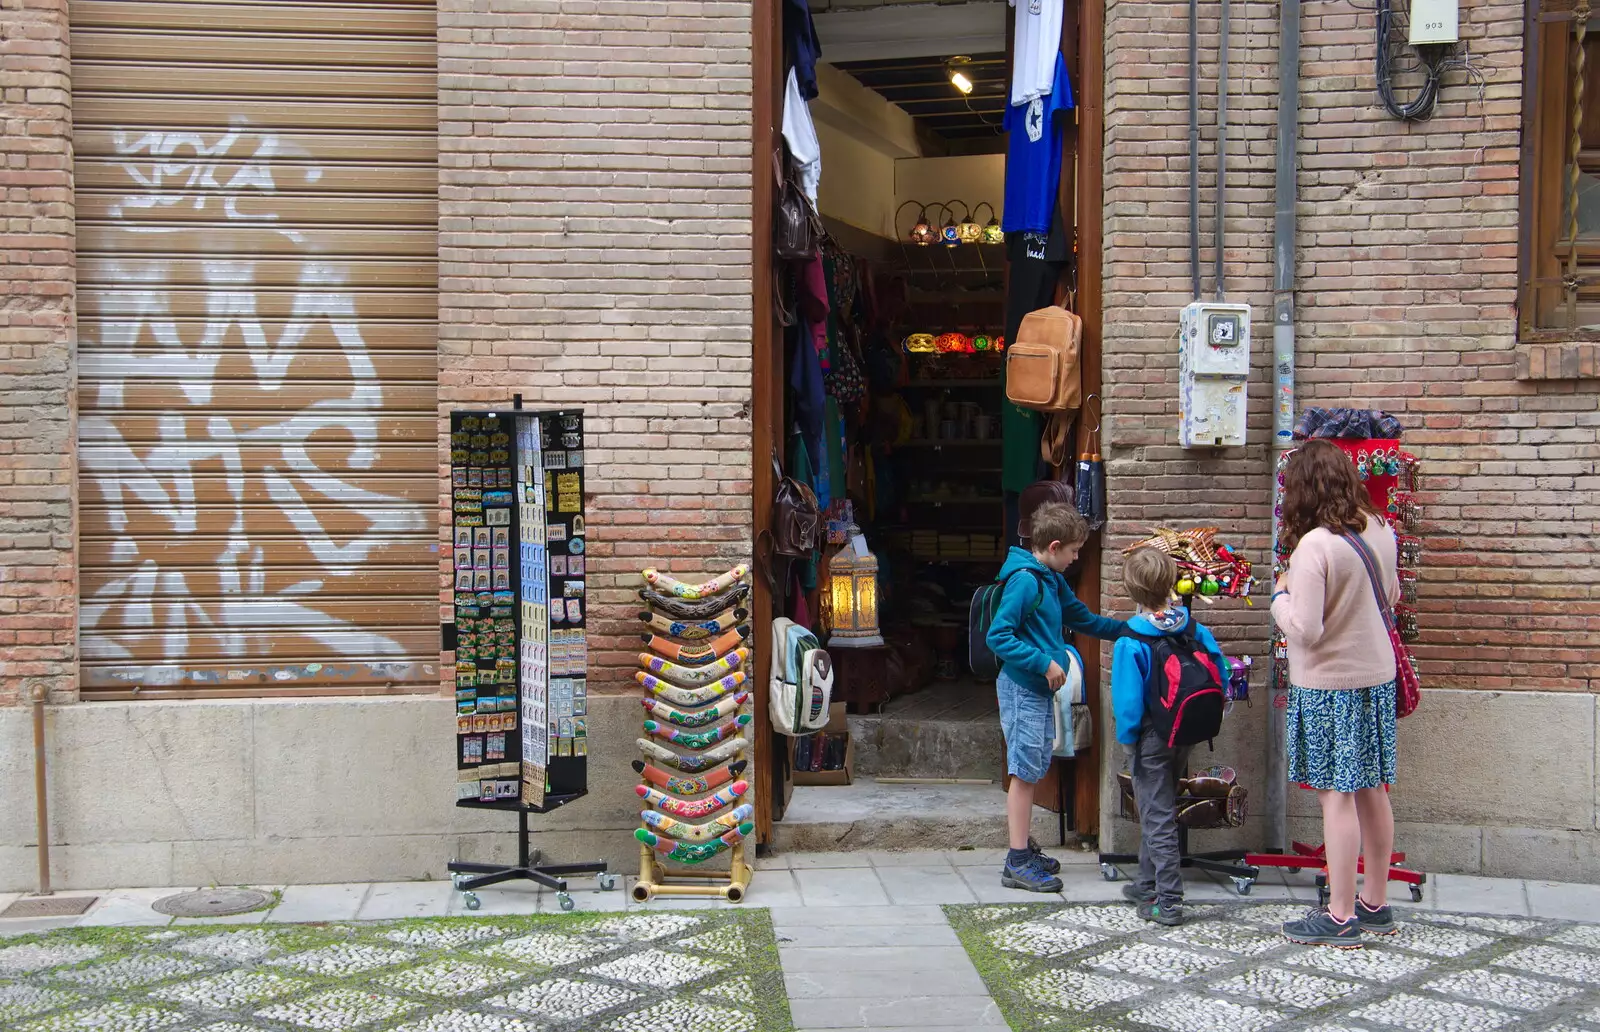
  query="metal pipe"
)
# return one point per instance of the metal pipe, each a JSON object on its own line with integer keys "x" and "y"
{"x": 40, "y": 796}
{"x": 1194, "y": 149}
{"x": 1222, "y": 143}
{"x": 1283, "y": 348}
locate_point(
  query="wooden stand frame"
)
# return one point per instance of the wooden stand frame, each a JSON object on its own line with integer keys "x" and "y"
{"x": 656, "y": 880}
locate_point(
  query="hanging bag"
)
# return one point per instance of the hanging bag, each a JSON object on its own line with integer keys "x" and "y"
{"x": 796, "y": 226}
{"x": 1043, "y": 369}
{"x": 1091, "y": 479}
{"x": 1407, "y": 686}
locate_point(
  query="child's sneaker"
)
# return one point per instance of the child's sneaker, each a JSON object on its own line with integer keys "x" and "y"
{"x": 1050, "y": 864}
{"x": 1377, "y": 920}
{"x": 1318, "y": 928}
{"x": 1133, "y": 894}
{"x": 1169, "y": 914}
{"x": 1029, "y": 875}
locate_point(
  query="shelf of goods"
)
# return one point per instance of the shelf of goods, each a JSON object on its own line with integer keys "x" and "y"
{"x": 697, "y": 701}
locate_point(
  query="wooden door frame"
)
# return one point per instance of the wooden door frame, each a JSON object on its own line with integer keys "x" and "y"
{"x": 1083, "y": 36}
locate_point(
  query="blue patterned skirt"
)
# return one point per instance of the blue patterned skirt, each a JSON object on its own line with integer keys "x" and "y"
{"x": 1342, "y": 739}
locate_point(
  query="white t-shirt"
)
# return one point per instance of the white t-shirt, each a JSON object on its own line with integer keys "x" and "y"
{"x": 1037, "y": 41}
{"x": 801, "y": 135}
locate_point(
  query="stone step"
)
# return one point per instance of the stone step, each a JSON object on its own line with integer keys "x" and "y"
{"x": 870, "y": 815}
{"x": 889, "y": 745}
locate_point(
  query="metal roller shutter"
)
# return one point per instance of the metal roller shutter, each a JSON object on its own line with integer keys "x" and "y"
{"x": 257, "y": 302}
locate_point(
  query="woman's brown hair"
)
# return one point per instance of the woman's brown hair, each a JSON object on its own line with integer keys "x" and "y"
{"x": 1322, "y": 489}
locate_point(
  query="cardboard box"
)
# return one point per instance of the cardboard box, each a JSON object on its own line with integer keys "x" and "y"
{"x": 838, "y": 724}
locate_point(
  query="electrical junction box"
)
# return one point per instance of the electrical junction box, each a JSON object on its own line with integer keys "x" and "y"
{"x": 1435, "y": 21}
{"x": 1213, "y": 374}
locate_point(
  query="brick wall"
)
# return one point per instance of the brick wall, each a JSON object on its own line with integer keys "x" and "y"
{"x": 1407, "y": 287}
{"x": 38, "y": 573}
{"x": 594, "y": 251}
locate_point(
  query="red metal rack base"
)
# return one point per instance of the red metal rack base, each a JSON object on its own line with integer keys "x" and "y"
{"x": 1308, "y": 858}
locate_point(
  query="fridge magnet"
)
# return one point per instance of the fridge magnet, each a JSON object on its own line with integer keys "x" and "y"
{"x": 475, "y": 477}
{"x": 501, "y": 537}
{"x": 575, "y": 568}
{"x": 576, "y": 546}
{"x": 480, "y": 558}
{"x": 502, "y": 579}
{"x": 480, "y": 537}
{"x": 558, "y": 566}
{"x": 498, "y": 517}
{"x": 463, "y": 537}
{"x": 575, "y": 458}
{"x": 573, "y": 588}
{"x": 574, "y": 611}
{"x": 557, "y": 532}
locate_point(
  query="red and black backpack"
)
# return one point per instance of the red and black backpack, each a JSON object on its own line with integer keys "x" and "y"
{"x": 1183, "y": 696}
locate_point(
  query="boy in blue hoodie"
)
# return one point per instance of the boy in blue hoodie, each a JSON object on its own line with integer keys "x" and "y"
{"x": 1148, "y": 576}
{"x": 1027, "y": 638}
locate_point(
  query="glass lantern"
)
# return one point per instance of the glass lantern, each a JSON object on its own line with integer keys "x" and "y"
{"x": 853, "y": 595}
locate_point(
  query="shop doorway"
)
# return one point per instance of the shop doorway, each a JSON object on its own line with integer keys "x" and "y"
{"x": 902, "y": 424}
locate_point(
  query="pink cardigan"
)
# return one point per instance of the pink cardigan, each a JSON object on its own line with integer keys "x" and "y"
{"x": 1336, "y": 634}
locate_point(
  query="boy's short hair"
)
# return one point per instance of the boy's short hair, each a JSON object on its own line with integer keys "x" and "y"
{"x": 1056, "y": 521}
{"x": 1148, "y": 574}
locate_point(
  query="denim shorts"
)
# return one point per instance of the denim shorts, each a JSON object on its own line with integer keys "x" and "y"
{"x": 1029, "y": 722}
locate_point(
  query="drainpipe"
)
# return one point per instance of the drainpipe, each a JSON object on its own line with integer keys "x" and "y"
{"x": 1194, "y": 149}
{"x": 1283, "y": 243}
{"x": 1222, "y": 147}
{"x": 39, "y": 793}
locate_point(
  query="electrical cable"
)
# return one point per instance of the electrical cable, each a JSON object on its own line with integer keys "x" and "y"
{"x": 1434, "y": 58}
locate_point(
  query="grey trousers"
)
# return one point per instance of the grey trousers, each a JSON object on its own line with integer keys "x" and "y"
{"x": 1155, "y": 785}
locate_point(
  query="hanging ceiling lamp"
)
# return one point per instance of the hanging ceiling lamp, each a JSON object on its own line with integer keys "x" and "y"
{"x": 959, "y": 69}
{"x": 922, "y": 233}
{"x": 950, "y": 234}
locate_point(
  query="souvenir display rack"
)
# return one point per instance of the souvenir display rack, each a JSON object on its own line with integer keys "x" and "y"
{"x": 1211, "y": 798}
{"x": 697, "y": 700}
{"x": 518, "y": 554}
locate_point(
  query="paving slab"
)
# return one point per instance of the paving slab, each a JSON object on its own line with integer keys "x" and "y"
{"x": 938, "y": 885}
{"x": 393, "y": 900}
{"x": 1564, "y": 900}
{"x": 864, "y": 916}
{"x": 889, "y": 1012}
{"x": 130, "y": 907}
{"x": 841, "y": 887}
{"x": 804, "y": 934}
{"x": 943, "y": 982}
{"x": 920, "y": 959}
{"x": 1474, "y": 895}
{"x": 302, "y": 903}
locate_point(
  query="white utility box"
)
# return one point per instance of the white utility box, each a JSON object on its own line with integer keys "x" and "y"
{"x": 1213, "y": 374}
{"x": 1435, "y": 21}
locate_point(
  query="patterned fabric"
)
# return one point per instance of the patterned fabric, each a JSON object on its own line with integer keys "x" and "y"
{"x": 1342, "y": 739}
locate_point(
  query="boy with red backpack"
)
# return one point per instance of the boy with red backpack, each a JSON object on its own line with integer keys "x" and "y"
{"x": 1167, "y": 694}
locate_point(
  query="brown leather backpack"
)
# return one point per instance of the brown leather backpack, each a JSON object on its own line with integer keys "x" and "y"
{"x": 796, "y": 517}
{"x": 796, "y": 227}
{"x": 1042, "y": 365}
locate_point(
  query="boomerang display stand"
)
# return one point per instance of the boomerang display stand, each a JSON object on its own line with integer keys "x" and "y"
{"x": 522, "y": 702}
{"x": 697, "y": 691}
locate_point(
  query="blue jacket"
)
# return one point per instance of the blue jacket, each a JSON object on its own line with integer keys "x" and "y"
{"x": 1130, "y": 666}
{"x": 1025, "y": 639}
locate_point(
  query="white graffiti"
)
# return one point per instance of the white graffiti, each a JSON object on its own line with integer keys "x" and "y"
{"x": 148, "y": 482}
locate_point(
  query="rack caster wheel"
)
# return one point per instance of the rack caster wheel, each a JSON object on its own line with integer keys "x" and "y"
{"x": 607, "y": 882}
{"x": 1109, "y": 872}
{"x": 471, "y": 900}
{"x": 565, "y": 901}
{"x": 1416, "y": 894}
{"x": 1323, "y": 896}
{"x": 458, "y": 880}
{"x": 1243, "y": 885}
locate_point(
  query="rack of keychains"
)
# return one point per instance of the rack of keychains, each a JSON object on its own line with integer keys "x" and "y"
{"x": 518, "y": 629}
{"x": 695, "y": 673}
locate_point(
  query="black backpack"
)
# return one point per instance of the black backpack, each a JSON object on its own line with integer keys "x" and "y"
{"x": 1183, "y": 696}
{"x": 980, "y": 617}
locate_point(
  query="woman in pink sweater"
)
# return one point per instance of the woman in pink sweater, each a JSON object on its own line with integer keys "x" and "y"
{"x": 1341, "y": 716}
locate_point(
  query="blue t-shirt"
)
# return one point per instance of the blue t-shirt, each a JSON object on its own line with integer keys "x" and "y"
{"x": 1033, "y": 157}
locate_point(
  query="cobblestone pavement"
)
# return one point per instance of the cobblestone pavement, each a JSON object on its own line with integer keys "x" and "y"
{"x": 647, "y": 972}
{"x": 1096, "y": 967}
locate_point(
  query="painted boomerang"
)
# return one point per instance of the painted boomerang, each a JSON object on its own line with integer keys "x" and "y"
{"x": 692, "y": 853}
{"x": 691, "y": 696}
{"x": 673, "y": 715}
{"x": 669, "y": 586}
{"x": 693, "y": 808}
{"x": 693, "y": 784}
{"x": 698, "y": 629}
{"x": 685, "y": 832}
{"x": 694, "y": 677}
{"x": 697, "y": 763}
{"x": 697, "y": 656}
{"x": 699, "y": 739}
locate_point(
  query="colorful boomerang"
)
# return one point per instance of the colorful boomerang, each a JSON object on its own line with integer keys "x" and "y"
{"x": 685, "y": 832}
{"x": 693, "y": 656}
{"x": 694, "y": 677}
{"x": 698, "y": 739}
{"x": 694, "y": 764}
{"x": 698, "y": 629}
{"x": 693, "y": 784}
{"x": 692, "y": 853}
{"x": 693, "y": 809}
{"x": 691, "y": 696}
{"x": 669, "y": 586}
{"x": 673, "y": 715}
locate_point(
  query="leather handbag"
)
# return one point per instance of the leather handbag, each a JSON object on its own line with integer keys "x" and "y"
{"x": 796, "y": 517}
{"x": 1407, "y": 686}
{"x": 1043, "y": 365}
{"x": 796, "y": 226}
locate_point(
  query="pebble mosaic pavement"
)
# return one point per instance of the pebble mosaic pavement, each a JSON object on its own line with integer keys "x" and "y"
{"x": 654, "y": 972}
{"x": 1099, "y": 968}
